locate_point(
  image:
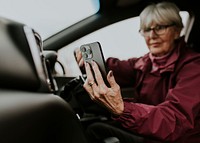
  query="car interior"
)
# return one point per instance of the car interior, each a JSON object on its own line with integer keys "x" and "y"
{"x": 30, "y": 112}
{"x": 38, "y": 104}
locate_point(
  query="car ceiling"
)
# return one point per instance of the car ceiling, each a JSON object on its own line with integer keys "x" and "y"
{"x": 112, "y": 11}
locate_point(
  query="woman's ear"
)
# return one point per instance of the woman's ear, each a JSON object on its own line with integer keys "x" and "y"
{"x": 177, "y": 34}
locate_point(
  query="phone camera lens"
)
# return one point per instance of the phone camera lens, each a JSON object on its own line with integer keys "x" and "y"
{"x": 83, "y": 49}
{"x": 89, "y": 51}
{"x": 85, "y": 55}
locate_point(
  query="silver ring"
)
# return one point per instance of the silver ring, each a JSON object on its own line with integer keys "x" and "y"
{"x": 91, "y": 83}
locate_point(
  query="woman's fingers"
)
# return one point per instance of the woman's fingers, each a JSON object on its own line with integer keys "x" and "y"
{"x": 81, "y": 62}
{"x": 89, "y": 83}
{"x": 99, "y": 92}
{"x": 78, "y": 56}
{"x": 98, "y": 75}
{"x": 89, "y": 89}
{"x": 90, "y": 77}
{"x": 112, "y": 82}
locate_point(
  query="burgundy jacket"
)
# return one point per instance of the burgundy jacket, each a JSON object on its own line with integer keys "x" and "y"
{"x": 167, "y": 106}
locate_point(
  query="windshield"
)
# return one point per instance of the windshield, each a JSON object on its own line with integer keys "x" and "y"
{"x": 48, "y": 17}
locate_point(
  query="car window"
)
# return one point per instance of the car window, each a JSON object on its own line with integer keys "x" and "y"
{"x": 48, "y": 17}
{"x": 121, "y": 40}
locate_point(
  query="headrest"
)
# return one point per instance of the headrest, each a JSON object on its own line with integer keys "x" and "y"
{"x": 21, "y": 64}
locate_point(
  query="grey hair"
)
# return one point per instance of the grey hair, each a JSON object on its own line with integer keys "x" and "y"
{"x": 161, "y": 13}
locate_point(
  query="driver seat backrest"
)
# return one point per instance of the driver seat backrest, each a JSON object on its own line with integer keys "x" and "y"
{"x": 27, "y": 115}
{"x": 21, "y": 66}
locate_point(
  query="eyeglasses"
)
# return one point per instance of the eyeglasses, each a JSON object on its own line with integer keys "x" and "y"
{"x": 158, "y": 30}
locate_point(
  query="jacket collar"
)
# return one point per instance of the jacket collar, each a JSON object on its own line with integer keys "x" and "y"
{"x": 144, "y": 63}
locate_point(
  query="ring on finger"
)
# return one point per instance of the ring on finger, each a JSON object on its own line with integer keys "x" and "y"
{"x": 91, "y": 83}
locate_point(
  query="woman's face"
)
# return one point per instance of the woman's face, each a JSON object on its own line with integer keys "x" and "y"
{"x": 160, "y": 44}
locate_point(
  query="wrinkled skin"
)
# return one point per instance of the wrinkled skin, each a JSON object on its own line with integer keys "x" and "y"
{"x": 110, "y": 97}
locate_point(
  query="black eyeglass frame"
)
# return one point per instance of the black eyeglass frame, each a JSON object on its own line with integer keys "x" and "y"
{"x": 157, "y": 27}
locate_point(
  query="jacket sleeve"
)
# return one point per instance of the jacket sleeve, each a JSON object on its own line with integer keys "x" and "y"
{"x": 178, "y": 114}
{"x": 123, "y": 71}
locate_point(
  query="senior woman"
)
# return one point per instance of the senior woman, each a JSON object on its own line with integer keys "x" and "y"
{"x": 167, "y": 105}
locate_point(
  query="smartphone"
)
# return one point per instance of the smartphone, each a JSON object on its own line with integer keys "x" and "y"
{"x": 93, "y": 51}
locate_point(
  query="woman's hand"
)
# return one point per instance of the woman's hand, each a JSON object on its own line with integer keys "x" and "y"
{"x": 78, "y": 56}
{"x": 110, "y": 97}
